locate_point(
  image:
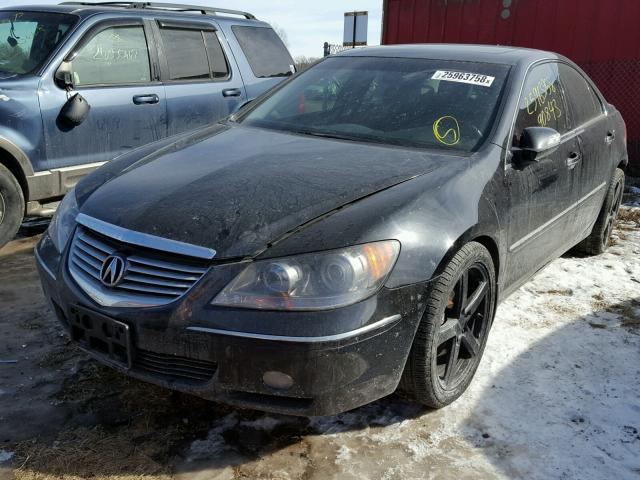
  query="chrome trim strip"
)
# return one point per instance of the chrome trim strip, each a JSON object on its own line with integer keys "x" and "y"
{"x": 280, "y": 338}
{"x": 145, "y": 239}
{"x": 44, "y": 266}
{"x": 538, "y": 230}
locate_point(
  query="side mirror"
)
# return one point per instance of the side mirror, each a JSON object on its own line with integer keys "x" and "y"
{"x": 64, "y": 76}
{"x": 536, "y": 142}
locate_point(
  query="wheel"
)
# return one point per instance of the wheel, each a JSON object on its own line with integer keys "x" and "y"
{"x": 453, "y": 331}
{"x": 11, "y": 205}
{"x": 598, "y": 241}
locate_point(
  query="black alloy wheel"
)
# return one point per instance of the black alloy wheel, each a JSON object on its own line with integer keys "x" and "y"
{"x": 452, "y": 334}
{"x": 464, "y": 327}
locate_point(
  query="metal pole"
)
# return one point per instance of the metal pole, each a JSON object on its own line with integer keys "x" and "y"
{"x": 355, "y": 19}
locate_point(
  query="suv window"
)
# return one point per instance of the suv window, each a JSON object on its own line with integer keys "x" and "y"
{"x": 193, "y": 54}
{"x": 29, "y": 37}
{"x": 267, "y": 55}
{"x": 583, "y": 101}
{"x": 114, "y": 56}
{"x": 542, "y": 103}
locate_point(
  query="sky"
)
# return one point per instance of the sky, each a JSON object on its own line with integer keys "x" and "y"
{"x": 307, "y": 24}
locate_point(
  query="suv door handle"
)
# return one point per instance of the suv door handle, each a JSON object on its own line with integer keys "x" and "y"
{"x": 231, "y": 92}
{"x": 573, "y": 159}
{"x": 610, "y": 136}
{"x": 145, "y": 99}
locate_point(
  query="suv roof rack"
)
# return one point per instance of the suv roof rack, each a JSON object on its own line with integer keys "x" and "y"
{"x": 171, "y": 7}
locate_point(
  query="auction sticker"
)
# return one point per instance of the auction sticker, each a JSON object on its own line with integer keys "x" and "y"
{"x": 464, "y": 77}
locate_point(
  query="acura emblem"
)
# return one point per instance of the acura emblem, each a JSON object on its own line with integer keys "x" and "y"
{"x": 112, "y": 271}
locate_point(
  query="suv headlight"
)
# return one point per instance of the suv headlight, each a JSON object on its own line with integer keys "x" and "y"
{"x": 63, "y": 221}
{"x": 314, "y": 281}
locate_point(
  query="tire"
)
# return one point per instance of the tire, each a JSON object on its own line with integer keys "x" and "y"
{"x": 425, "y": 379}
{"x": 598, "y": 241}
{"x": 11, "y": 206}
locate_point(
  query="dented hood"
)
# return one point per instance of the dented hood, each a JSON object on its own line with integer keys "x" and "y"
{"x": 236, "y": 189}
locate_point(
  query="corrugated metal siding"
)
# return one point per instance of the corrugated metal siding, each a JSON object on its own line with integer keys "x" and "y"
{"x": 603, "y": 37}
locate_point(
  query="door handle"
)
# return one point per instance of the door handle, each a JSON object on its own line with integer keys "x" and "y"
{"x": 231, "y": 92}
{"x": 573, "y": 159}
{"x": 611, "y": 135}
{"x": 146, "y": 99}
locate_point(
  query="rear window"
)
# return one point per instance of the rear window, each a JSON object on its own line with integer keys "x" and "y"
{"x": 267, "y": 55}
{"x": 186, "y": 54}
{"x": 397, "y": 101}
{"x": 193, "y": 54}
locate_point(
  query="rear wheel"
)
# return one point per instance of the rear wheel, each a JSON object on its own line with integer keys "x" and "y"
{"x": 11, "y": 205}
{"x": 598, "y": 241}
{"x": 453, "y": 332}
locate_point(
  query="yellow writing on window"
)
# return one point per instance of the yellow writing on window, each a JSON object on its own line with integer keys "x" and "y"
{"x": 541, "y": 102}
{"x": 447, "y": 130}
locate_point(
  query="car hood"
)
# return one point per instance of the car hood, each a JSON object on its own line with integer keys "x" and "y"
{"x": 236, "y": 189}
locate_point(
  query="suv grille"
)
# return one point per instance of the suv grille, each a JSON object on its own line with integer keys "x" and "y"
{"x": 150, "y": 278}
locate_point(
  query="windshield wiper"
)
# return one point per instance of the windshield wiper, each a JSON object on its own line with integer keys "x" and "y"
{"x": 337, "y": 136}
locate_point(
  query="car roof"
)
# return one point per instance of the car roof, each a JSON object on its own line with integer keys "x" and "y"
{"x": 88, "y": 10}
{"x": 460, "y": 52}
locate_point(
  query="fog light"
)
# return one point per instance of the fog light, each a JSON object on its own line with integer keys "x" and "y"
{"x": 278, "y": 380}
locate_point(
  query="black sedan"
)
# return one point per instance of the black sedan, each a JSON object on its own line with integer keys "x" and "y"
{"x": 348, "y": 234}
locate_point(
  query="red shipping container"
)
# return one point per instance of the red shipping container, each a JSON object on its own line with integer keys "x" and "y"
{"x": 602, "y": 36}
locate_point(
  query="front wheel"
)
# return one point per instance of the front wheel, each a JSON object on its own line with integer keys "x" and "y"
{"x": 11, "y": 205}
{"x": 453, "y": 332}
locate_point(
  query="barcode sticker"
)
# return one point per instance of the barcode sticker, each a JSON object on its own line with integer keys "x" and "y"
{"x": 464, "y": 77}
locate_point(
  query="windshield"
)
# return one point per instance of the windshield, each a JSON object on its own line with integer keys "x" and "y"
{"x": 399, "y": 101}
{"x": 27, "y": 38}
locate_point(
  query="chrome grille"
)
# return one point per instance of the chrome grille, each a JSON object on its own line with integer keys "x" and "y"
{"x": 151, "y": 278}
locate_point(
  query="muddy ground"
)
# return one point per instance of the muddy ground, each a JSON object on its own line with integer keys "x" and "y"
{"x": 556, "y": 396}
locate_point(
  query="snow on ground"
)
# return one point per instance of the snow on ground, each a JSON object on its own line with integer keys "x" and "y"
{"x": 557, "y": 395}
{"x": 5, "y": 456}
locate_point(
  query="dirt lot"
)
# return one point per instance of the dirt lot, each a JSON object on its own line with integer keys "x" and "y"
{"x": 556, "y": 396}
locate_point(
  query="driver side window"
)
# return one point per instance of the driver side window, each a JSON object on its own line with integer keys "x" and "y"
{"x": 542, "y": 103}
{"x": 114, "y": 56}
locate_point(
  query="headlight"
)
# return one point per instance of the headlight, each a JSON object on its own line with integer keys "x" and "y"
{"x": 64, "y": 220}
{"x": 312, "y": 281}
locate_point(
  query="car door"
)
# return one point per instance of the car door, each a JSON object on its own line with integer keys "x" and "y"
{"x": 541, "y": 192}
{"x": 593, "y": 128}
{"x": 111, "y": 68}
{"x": 201, "y": 83}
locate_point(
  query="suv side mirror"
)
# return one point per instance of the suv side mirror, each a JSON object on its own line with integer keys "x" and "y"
{"x": 536, "y": 141}
{"x": 64, "y": 76}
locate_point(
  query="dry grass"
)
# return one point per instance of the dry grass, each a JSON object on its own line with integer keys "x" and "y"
{"x": 131, "y": 430}
{"x": 90, "y": 453}
{"x": 629, "y": 215}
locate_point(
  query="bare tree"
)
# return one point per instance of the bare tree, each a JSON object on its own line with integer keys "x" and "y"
{"x": 303, "y": 62}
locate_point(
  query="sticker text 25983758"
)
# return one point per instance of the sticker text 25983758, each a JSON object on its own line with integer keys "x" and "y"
{"x": 464, "y": 77}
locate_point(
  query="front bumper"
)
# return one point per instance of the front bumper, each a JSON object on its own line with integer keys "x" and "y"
{"x": 337, "y": 360}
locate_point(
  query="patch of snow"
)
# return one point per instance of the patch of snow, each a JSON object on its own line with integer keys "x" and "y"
{"x": 5, "y": 456}
{"x": 215, "y": 443}
{"x": 262, "y": 423}
{"x": 344, "y": 454}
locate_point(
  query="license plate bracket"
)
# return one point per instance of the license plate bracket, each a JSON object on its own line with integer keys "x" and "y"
{"x": 102, "y": 335}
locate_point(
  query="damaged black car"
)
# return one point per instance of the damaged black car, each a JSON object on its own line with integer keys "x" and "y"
{"x": 348, "y": 234}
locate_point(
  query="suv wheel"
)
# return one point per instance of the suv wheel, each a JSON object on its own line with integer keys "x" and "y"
{"x": 11, "y": 206}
